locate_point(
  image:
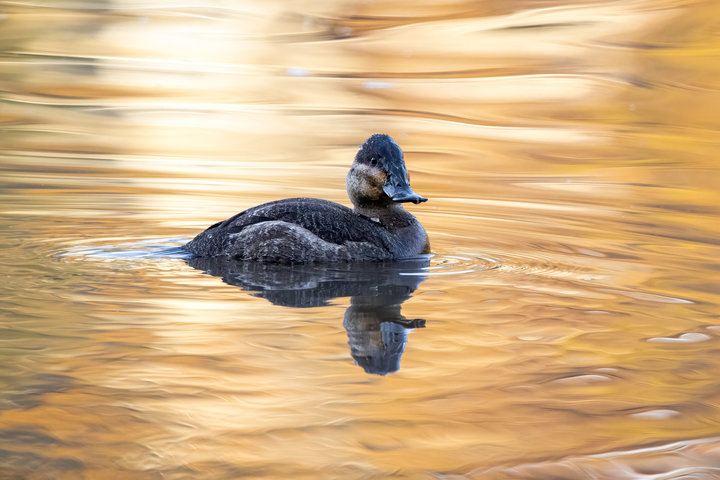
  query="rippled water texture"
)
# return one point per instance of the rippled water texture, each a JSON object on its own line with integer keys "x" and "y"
{"x": 565, "y": 327}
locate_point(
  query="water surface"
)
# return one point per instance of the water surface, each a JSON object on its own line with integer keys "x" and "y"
{"x": 566, "y": 325}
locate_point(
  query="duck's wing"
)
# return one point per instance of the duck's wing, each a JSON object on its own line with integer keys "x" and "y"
{"x": 331, "y": 222}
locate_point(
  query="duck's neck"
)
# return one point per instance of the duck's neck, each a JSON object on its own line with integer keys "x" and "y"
{"x": 393, "y": 216}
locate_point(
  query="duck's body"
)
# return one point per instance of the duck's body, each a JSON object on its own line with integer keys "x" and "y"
{"x": 308, "y": 230}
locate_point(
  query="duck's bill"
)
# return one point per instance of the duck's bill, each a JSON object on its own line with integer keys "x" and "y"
{"x": 414, "y": 198}
{"x": 404, "y": 194}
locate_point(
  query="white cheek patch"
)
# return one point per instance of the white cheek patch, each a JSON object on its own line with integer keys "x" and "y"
{"x": 366, "y": 170}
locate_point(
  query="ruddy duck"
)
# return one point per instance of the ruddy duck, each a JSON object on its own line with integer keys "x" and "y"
{"x": 308, "y": 230}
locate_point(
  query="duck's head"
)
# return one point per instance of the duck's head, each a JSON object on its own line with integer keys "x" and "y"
{"x": 378, "y": 176}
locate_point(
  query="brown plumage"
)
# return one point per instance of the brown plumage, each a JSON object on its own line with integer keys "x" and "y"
{"x": 307, "y": 230}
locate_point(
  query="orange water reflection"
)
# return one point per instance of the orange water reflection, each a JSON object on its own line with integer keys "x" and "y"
{"x": 568, "y": 151}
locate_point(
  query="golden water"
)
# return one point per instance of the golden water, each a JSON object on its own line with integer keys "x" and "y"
{"x": 571, "y": 322}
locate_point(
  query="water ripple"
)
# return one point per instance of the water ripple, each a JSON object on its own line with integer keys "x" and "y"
{"x": 458, "y": 265}
{"x": 140, "y": 249}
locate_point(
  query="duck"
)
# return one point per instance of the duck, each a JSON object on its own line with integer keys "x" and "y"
{"x": 312, "y": 230}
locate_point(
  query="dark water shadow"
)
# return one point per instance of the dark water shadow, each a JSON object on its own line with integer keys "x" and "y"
{"x": 377, "y": 331}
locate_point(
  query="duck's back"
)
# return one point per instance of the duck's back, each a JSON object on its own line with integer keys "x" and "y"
{"x": 297, "y": 230}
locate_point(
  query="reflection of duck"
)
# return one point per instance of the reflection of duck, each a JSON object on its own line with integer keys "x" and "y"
{"x": 376, "y": 328}
{"x": 305, "y": 230}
